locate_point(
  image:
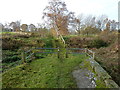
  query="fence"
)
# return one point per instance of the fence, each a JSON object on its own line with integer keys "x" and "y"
{"x": 29, "y": 55}
{"x": 90, "y": 53}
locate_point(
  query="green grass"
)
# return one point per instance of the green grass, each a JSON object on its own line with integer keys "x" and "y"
{"x": 48, "y": 72}
{"x": 7, "y": 33}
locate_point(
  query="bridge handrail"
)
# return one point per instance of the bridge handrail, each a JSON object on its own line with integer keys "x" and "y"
{"x": 29, "y": 55}
{"x": 93, "y": 53}
{"x": 46, "y": 48}
{"x": 28, "y": 51}
{"x": 84, "y": 49}
{"x": 75, "y": 48}
{"x": 90, "y": 51}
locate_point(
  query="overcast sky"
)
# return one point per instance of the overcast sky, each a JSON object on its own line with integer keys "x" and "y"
{"x": 30, "y": 11}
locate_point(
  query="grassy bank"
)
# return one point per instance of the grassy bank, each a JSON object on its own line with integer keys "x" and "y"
{"x": 48, "y": 72}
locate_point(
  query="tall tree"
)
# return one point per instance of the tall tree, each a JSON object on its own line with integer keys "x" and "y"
{"x": 15, "y": 26}
{"x": 108, "y": 24}
{"x": 80, "y": 20}
{"x": 113, "y": 25}
{"x": 100, "y": 22}
{"x": 24, "y": 27}
{"x": 58, "y": 16}
{"x": 32, "y": 27}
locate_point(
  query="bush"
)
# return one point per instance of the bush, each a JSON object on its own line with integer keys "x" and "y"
{"x": 66, "y": 38}
{"x": 11, "y": 44}
{"x": 97, "y": 43}
{"x": 108, "y": 37}
{"x": 11, "y": 59}
{"x": 9, "y": 56}
{"x": 48, "y": 42}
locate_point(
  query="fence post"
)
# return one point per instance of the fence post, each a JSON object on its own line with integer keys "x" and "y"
{"x": 58, "y": 53}
{"x": 66, "y": 53}
{"x": 86, "y": 51}
{"x": 23, "y": 57}
{"x": 93, "y": 55}
{"x": 33, "y": 56}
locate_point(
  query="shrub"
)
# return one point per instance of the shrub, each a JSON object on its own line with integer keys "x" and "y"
{"x": 97, "y": 43}
{"x": 66, "y": 38}
{"x": 10, "y": 59}
{"x": 48, "y": 42}
{"x": 11, "y": 44}
{"x": 108, "y": 37}
{"x": 9, "y": 56}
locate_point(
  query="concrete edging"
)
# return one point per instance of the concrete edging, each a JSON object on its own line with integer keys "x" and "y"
{"x": 102, "y": 74}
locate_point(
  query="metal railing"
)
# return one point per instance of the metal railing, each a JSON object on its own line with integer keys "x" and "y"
{"x": 29, "y": 54}
{"x": 90, "y": 53}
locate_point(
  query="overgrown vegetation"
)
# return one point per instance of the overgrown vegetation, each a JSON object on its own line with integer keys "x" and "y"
{"x": 105, "y": 46}
{"x": 13, "y": 44}
{"x": 97, "y": 43}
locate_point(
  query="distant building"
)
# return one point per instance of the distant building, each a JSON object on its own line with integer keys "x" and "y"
{"x": 119, "y": 14}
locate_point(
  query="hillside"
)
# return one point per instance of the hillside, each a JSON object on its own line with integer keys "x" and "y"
{"x": 106, "y": 55}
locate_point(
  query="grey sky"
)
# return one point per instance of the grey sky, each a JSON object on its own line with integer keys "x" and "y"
{"x": 30, "y": 11}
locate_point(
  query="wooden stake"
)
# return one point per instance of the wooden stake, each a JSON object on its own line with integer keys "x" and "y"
{"x": 23, "y": 57}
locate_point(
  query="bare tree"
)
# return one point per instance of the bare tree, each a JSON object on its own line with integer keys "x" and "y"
{"x": 113, "y": 25}
{"x": 108, "y": 22}
{"x": 32, "y": 27}
{"x": 80, "y": 22}
{"x": 100, "y": 22}
{"x": 13, "y": 26}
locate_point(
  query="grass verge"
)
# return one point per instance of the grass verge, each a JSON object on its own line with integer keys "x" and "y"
{"x": 48, "y": 72}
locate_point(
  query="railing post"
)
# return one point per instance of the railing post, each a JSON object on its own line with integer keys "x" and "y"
{"x": 66, "y": 53}
{"x": 58, "y": 53}
{"x": 86, "y": 51}
{"x": 23, "y": 57}
{"x": 32, "y": 56}
{"x": 93, "y": 55}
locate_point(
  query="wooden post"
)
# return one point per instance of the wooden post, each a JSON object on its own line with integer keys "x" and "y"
{"x": 58, "y": 53}
{"x": 86, "y": 51}
{"x": 23, "y": 57}
{"x": 33, "y": 56}
{"x": 93, "y": 55}
{"x": 66, "y": 53}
